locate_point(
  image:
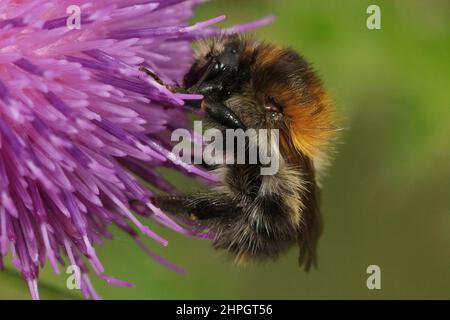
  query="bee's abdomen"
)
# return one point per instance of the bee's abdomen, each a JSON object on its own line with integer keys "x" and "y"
{"x": 263, "y": 230}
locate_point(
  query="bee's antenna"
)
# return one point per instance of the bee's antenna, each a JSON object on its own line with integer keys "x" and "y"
{"x": 202, "y": 79}
{"x": 174, "y": 89}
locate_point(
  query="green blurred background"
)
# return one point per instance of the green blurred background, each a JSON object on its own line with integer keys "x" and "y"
{"x": 386, "y": 197}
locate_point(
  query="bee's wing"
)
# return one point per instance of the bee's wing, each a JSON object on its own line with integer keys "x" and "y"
{"x": 312, "y": 222}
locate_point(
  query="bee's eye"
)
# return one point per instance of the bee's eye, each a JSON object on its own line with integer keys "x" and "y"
{"x": 273, "y": 105}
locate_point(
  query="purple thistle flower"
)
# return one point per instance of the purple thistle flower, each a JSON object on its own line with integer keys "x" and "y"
{"x": 78, "y": 122}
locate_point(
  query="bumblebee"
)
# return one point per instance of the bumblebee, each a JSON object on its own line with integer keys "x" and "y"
{"x": 250, "y": 84}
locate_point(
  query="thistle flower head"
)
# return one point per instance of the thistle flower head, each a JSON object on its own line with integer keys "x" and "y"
{"x": 79, "y": 122}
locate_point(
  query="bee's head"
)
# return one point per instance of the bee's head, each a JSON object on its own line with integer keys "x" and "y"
{"x": 218, "y": 70}
{"x": 266, "y": 87}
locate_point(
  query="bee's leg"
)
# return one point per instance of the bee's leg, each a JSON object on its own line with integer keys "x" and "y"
{"x": 170, "y": 87}
{"x": 223, "y": 115}
{"x": 199, "y": 206}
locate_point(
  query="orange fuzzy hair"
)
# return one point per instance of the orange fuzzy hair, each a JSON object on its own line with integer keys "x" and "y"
{"x": 309, "y": 115}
